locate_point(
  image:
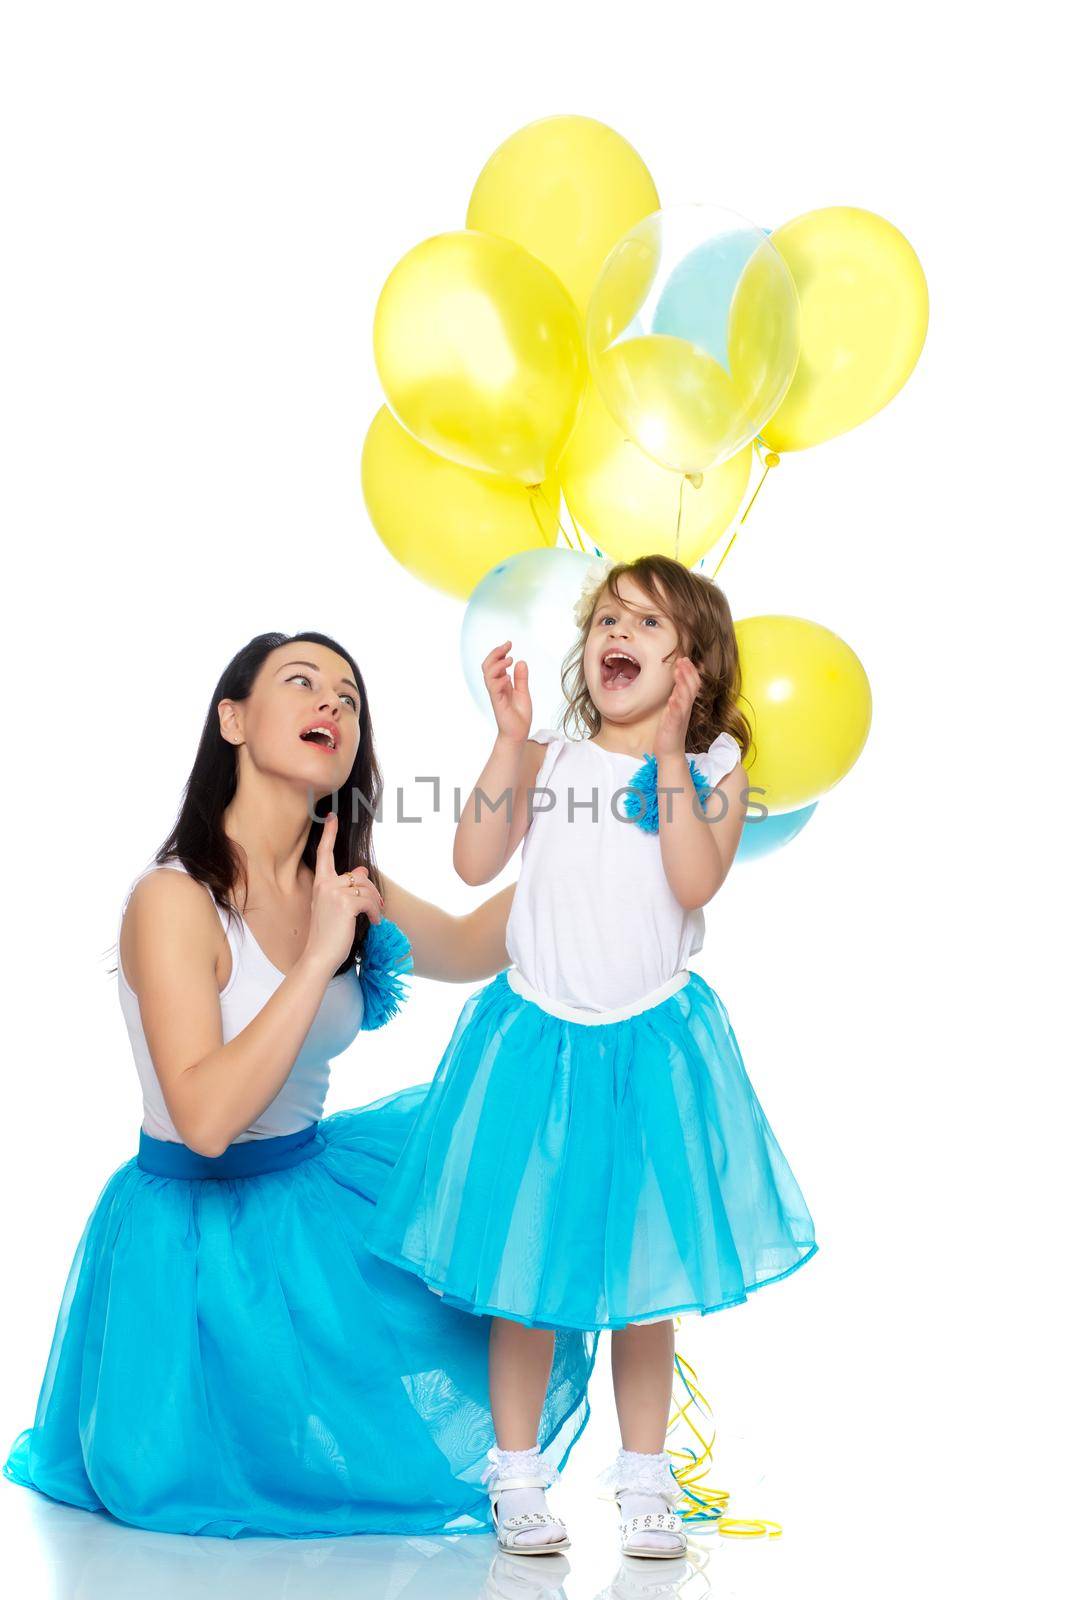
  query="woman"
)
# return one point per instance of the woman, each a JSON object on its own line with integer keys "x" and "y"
{"x": 229, "y": 1358}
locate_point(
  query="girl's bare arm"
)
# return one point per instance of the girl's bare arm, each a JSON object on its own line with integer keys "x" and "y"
{"x": 697, "y": 847}
{"x": 497, "y": 813}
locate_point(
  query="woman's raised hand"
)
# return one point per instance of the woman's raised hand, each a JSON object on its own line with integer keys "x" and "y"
{"x": 512, "y": 706}
{"x": 335, "y": 904}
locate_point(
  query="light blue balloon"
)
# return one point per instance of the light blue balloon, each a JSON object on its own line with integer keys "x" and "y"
{"x": 761, "y": 836}
{"x": 695, "y": 303}
{"x": 529, "y": 599}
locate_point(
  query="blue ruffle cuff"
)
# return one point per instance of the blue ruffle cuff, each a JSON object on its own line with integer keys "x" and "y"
{"x": 385, "y": 961}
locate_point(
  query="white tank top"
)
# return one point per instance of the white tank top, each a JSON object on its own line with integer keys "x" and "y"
{"x": 251, "y": 983}
{"x": 594, "y": 923}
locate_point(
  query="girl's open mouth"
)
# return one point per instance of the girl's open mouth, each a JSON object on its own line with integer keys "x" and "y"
{"x": 618, "y": 669}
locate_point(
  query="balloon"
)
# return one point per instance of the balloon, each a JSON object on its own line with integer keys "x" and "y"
{"x": 677, "y": 400}
{"x": 629, "y": 505}
{"x": 864, "y": 309}
{"x": 566, "y": 189}
{"x": 479, "y": 350}
{"x": 810, "y": 703}
{"x": 762, "y": 836}
{"x": 530, "y": 599}
{"x": 693, "y": 335}
{"x": 447, "y": 524}
{"x": 695, "y": 303}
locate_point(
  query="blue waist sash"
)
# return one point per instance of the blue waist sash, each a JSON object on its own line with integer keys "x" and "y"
{"x": 247, "y": 1159}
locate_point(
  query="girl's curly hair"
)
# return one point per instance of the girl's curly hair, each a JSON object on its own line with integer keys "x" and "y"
{"x": 701, "y": 614}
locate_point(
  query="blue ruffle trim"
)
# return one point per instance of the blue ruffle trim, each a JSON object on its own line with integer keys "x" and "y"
{"x": 641, "y": 804}
{"x": 386, "y": 957}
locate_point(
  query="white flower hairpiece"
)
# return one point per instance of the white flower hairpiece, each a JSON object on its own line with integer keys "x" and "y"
{"x": 592, "y": 584}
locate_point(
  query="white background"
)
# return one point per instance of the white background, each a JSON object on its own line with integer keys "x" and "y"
{"x": 201, "y": 202}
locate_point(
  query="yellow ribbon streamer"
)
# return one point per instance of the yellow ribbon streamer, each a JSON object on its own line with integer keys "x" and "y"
{"x": 703, "y": 1506}
{"x": 749, "y": 1528}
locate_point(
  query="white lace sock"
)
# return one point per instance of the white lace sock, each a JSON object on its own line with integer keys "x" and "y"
{"x": 645, "y": 1485}
{"x": 504, "y": 1464}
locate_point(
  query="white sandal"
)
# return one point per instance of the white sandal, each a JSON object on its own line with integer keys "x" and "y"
{"x": 522, "y": 1469}
{"x": 633, "y": 1532}
{"x": 509, "y": 1578}
{"x": 650, "y": 1475}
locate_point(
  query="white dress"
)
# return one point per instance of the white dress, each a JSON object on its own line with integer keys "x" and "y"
{"x": 252, "y": 981}
{"x": 594, "y": 924}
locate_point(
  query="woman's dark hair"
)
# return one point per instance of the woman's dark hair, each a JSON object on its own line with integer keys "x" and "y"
{"x": 198, "y": 838}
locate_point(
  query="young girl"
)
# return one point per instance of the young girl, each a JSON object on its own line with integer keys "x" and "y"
{"x": 591, "y": 1154}
{"x": 229, "y": 1358}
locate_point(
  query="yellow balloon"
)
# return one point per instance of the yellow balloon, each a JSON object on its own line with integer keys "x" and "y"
{"x": 678, "y": 403}
{"x": 809, "y": 700}
{"x": 624, "y": 288}
{"x": 762, "y": 336}
{"x": 566, "y": 189}
{"x": 629, "y": 505}
{"x": 479, "y": 350}
{"x": 864, "y": 309}
{"x": 447, "y": 524}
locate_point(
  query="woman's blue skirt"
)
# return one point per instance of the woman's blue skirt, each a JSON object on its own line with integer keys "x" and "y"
{"x": 230, "y": 1359}
{"x": 578, "y": 1175}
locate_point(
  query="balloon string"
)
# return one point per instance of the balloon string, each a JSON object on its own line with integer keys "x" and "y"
{"x": 533, "y": 511}
{"x": 535, "y": 489}
{"x": 701, "y": 1504}
{"x": 769, "y": 461}
{"x": 678, "y": 521}
{"x": 538, "y": 488}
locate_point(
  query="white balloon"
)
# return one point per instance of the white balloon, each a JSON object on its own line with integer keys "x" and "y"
{"x": 529, "y": 599}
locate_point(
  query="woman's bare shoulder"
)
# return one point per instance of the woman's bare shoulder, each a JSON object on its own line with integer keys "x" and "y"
{"x": 168, "y": 913}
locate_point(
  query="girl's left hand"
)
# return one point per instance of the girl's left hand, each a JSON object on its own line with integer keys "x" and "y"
{"x": 674, "y": 718}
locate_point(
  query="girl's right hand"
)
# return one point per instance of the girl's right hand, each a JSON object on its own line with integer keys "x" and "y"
{"x": 511, "y": 702}
{"x": 335, "y": 905}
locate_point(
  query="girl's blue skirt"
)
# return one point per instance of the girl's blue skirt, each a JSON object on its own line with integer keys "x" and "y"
{"x": 230, "y": 1359}
{"x": 579, "y": 1175}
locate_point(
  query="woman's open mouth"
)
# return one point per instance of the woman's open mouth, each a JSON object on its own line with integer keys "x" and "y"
{"x": 618, "y": 669}
{"x": 324, "y": 734}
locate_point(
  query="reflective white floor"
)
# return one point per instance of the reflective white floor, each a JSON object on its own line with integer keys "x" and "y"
{"x": 925, "y": 1536}
{"x": 58, "y": 1553}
